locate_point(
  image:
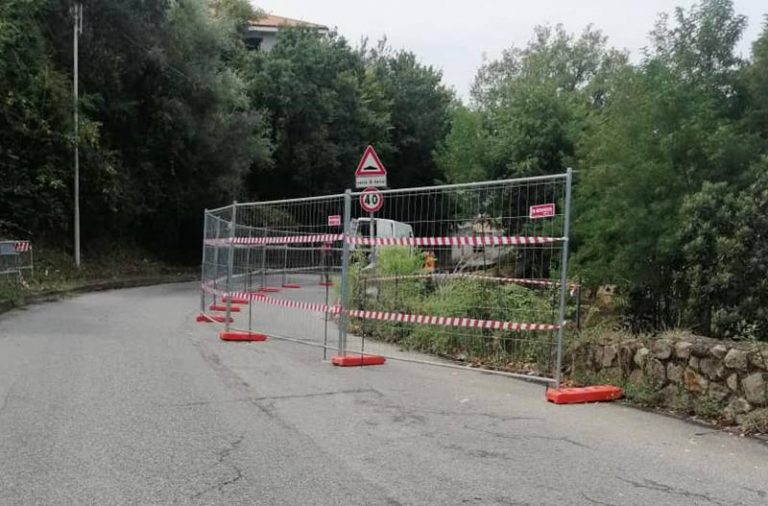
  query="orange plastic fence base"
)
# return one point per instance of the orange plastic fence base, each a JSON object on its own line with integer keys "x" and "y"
{"x": 357, "y": 360}
{"x": 270, "y": 289}
{"x": 236, "y": 335}
{"x": 577, "y": 395}
{"x": 235, "y": 300}
{"x": 326, "y": 283}
{"x": 291, "y": 285}
{"x": 207, "y": 318}
{"x": 223, "y": 307}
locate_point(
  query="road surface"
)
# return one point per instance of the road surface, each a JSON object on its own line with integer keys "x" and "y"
{"x": 120, "y": 398}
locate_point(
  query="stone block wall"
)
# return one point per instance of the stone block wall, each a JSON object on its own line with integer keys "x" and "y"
{"x": 731, "y": 376}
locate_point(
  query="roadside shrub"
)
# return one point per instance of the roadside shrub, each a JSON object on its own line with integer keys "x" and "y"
{"x": 481, "y": 300}
{"x": 756, "y": 422}
{"x": 459, "y": 297}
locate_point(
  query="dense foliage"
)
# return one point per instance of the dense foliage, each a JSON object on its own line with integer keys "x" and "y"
{"x": 458, "y": 297}
{"x": 177, "y": 114}
{"x": 670, "y": 156}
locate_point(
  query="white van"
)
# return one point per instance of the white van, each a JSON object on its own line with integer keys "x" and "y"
{"x": 361, "y": 227}
{"x": 382, "y": 229}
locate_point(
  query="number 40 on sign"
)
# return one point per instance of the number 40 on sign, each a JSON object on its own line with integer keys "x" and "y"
{"x": 371, "y": 200}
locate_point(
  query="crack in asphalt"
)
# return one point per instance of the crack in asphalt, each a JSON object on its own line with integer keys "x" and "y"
{"x": 228, "y": 376}
{"x": 268, "y": 409}
{"x": 192, "y": 404}
{"x": 504, "y": 435}
{"x": 760, "y": 493}
{"x": 7, "y": 395}
{"x": 595, "y": 501}
{"x": 318, "y": 394}
{"x": 479, "y": 454}
{"x": 668, "y": 489}
{"x": 501, "y": 501}
{"x": 273, "y": 398}
{"x": 5, "y": 401}
{"x": 222, "y": 457}
{"x": 409, "y": 410}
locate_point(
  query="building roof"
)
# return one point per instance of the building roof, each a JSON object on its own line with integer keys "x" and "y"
{"x": 272, "y": 21}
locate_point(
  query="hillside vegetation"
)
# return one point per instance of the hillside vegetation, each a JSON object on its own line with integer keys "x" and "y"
{"x": 176, "y": 114}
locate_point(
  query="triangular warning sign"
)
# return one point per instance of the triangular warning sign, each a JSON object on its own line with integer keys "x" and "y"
{"x": 370, "y": 165}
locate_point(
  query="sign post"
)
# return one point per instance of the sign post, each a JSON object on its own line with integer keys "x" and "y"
{"x": 371, "y": 200}
{"x": 370, "y": 174}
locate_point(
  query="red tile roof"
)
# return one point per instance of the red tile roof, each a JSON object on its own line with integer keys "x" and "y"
{"x": 271, "y": 21}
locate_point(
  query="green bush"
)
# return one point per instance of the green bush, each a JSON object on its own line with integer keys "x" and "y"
{"x": 459, "y": 297}
{"x": 483, "y": 300}
{"x": 726, "y": 269}
{"x": 398, "y": 261}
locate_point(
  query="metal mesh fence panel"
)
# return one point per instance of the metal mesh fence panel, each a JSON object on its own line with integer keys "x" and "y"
{"x": 470, "y": 273}
{"x": 16, "y": 259}
{"x": 282, "y": 261}
{"x": 473, "y": 273}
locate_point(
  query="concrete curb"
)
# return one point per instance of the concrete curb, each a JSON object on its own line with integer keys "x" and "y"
{"x": 97, "y": 286}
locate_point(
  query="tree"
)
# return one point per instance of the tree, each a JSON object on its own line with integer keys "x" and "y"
{"x": 670, "y": 125}
{"x": 315, "y": 89}
{"x": 172, "y": 129}
{"x": 418, "y": 114}
{"x": 700, "y": 45}
{"x": 463, "y": 155}
{"x": 756, "y": 76}
{"x": 725, "y": 275}
{"x": 533, "y": 103}
{"x": 34, "y": 121}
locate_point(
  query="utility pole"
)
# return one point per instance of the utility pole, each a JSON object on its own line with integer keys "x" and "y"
{"x": 77, "y": 12}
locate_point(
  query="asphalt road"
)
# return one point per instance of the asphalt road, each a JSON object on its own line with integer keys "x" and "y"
{"x": 120, "y": 398}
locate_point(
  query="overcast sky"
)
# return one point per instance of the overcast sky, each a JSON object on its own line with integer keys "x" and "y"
{"x": 455, "y": 36}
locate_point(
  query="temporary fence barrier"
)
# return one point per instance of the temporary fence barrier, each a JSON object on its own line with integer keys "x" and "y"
{"x": 283, "y": 259}
{"x": 465, "y": 274}
{"x": 15, "y": 258}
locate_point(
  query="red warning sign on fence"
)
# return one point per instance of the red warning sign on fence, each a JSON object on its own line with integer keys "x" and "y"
{"x": 334, "y": 220}
{"x": 541, "y": 211}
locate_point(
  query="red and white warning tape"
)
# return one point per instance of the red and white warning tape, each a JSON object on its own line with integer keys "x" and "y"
{"x": 290, "y": 239}
{"x": 451, "y": 321}
{"x": 22, "y": 246}
{"x": 461, "y": 275}
{"x": 260, "y": 297}
{"x": 464, "y": 240}
{"x": 307, "y": 306}
{"x": 447, "y": 321}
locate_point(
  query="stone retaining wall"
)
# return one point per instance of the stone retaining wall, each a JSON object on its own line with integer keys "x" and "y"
{"x": 731, "y": 377}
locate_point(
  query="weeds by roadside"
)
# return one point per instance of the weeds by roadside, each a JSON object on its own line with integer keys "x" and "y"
{"x": 54, "y": 270}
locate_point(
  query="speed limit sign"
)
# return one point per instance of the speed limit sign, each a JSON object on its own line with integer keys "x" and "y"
{"x": 371, "y": 200}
